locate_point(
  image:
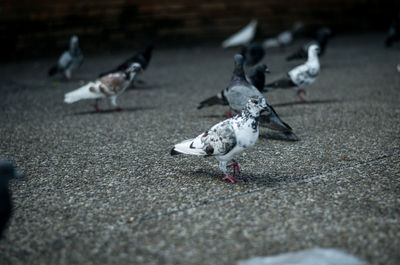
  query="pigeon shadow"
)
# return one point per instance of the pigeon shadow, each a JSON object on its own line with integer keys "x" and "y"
{"x": 269, "y": 181}
{"x": 132, "y": 109}
{"x": 311, "y": 102}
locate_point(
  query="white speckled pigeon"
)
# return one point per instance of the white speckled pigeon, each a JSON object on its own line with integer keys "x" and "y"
{"x": 299, "y": 76}
{"x": 227, "y": 138}
{"x": 108, "y": 86}
{"x": 69, "y": 60}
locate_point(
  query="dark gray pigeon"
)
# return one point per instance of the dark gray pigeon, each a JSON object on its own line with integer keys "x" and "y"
{"x": 69, "y": 60}
{"x": 252, "y": 53}
{"x": 227, "y": 138}
{"x": 7, "y": 173}
{"x": 238, "y": 93}
{"x": 143, "y": 58}
{"x": 321, "y": 38}
{"x": 299, "y": 76}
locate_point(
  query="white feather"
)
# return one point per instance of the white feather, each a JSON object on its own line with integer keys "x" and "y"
{"x": 83, "y": 93}
{"x": 184, "y": 147}
{"x": 244, "y": 36}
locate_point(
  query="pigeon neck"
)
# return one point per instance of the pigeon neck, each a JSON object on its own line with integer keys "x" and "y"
{"x": 238, "y": 73}
{"x": 312, "y": 56}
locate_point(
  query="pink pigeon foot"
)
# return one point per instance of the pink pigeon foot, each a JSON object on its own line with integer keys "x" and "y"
{"x": 229, "y": 114}
{"x": 299, "y": 93}
{"x": 235, "y": 167}
{"x": 119, "y": 108}
{"x": 232, "y": 180}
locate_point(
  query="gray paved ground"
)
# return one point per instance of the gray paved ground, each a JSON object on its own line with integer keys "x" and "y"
{"x": 103, "y": 189}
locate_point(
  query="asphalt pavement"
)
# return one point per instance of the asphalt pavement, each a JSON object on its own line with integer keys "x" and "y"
{"x": 102, "y": 188}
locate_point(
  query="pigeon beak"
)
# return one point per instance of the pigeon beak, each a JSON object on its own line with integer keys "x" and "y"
{"x": 267, "y": 71}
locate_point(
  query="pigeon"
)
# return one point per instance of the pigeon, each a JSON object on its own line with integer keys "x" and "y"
{"x": 242, "y": 37}
{"x": 272, "y": 120}
{"x": 111, "y": 86}
{"x": 322, "y": 36}
{"x": 143, "y": 58}
{"x": 299, "y": 76}
{"x": 283, "y": 39}
{"x": 393, "y": 33}
{"x": 7, "y": 172}
{"x": 227, "y": 138}
{"x": 313, "y": 256}
{"x": 69, "y": 60}
{"x": 237, "y": 94}
{"x": 252, "y": 53}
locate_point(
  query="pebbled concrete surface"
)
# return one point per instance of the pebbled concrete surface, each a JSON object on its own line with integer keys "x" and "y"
{"x": 101, "y": 188}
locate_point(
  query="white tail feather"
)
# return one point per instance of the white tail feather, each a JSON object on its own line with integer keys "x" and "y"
{"x": 184, "y": 148}
{"x": 82, "y": 93}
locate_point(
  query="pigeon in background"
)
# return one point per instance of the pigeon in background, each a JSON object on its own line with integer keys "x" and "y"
{"x": 69, "y": 60}
{"x": 322, "y": 35}
{"x": 7, "y": 173}
{"x": 111, "y": 86}
{"x": 285, "y": 38}
{"x": 299, "y": 76}
{"x": 394, "y": 32}
{"x": 143, "y": 58}
{"x": 242, "y": 37}
{"x": 252, "y": 53}
{"x": 238, "y": 93}
{"x": 227, "y": 138}
{"x": 313, "y": 256}
{"x": 272, "y": 120}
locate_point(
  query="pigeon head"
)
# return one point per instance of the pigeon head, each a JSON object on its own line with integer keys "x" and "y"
{"x": 313, "y": 50}
{"x": 7, "y": 173}
{"x": 134, "y": 68}
{"x": 74, "y": 44}
{"x": 262, "y": 68}
{"x": 256, "y": 104}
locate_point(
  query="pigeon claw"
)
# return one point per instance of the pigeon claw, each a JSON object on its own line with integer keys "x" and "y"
{"x": 119, "y": 108}
{"x": 232, "y": 180}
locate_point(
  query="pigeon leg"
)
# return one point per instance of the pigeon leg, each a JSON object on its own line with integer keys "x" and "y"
{"x": 235, "y": 166}
{"x": 96, "y": 105}
{"x": 229, "y": 114}
{"x": 222, "y": 166}
{"x": 114, "y": 103}
{"x": 299, "y": 93}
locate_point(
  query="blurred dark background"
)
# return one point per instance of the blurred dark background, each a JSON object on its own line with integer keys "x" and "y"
{"x": 34, "y": 28}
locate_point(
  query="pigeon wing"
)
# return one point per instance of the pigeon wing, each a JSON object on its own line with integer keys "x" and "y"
{"x": 219, "y": 140}
{"x": 65, "y": 60}
{"x": 115, "y": 82}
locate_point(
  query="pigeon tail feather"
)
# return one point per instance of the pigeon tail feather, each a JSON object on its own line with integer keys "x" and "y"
{"x": 285, "y": 82}
{"x": 214, "y": 100}
{"x": 82, "y": 93}
{"x": 186, "y": 147}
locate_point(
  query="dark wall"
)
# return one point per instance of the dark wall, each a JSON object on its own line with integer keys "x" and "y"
{"x": 36, "y": 27}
